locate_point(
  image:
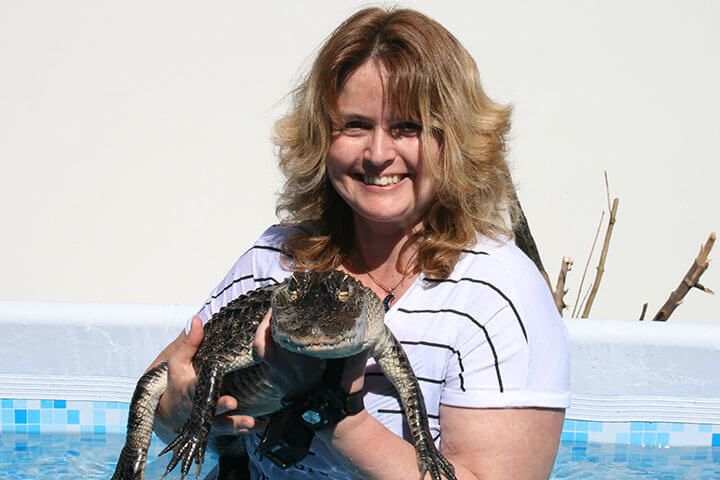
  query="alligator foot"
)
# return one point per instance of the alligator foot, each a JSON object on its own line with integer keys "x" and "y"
{"x": 130, "y": 466}
{"x": 188, "y": 447}
{"x": 433, "y": 462}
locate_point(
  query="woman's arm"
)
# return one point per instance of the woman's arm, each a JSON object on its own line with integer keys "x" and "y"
{"x": 501, "y": 443}
{"x": 497, "y": 444}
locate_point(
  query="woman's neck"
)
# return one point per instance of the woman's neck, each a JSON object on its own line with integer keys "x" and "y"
{"x": 382, "y": 260}
{"x": 381, "y": 248}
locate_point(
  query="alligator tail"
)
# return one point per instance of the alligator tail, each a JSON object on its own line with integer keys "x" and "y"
{"x": 131, "y": 465}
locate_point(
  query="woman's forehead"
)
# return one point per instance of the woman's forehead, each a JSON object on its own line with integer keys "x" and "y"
{"x": 373, "y": 80}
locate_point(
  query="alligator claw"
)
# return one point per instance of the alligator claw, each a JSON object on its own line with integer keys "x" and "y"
{"x": 433, "y": 462}
{"x": 188, "y": 447}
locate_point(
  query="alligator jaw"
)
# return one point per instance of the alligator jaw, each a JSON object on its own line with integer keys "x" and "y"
{"x": 319, "y": 345}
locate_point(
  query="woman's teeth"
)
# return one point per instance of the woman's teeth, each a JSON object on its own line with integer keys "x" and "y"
{"x": 382, "y": 181}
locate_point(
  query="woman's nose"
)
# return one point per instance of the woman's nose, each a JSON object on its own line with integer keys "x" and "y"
{"x": 381, "y": 148}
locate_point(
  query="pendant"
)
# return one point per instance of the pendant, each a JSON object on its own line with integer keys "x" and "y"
{"x": 386, "y": 301}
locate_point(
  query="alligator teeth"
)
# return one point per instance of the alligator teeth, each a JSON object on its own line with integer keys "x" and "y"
{"x": 382, "y": 181}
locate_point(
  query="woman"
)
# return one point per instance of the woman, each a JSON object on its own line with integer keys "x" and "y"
{"x": 394, "y": 159}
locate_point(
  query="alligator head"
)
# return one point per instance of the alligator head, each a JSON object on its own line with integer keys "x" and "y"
{"x": 325, "y": 314}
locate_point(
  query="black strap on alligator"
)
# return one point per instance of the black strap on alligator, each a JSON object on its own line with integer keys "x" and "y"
{"x": 290, "y": 432}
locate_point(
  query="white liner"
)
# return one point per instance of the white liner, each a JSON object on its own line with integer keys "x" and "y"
{"x": 651, "y": 371}
{"x": 621, "y": 370}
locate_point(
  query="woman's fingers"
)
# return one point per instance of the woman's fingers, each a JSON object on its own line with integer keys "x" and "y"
{"x": 176, "y": 402}
{"x": 180, "y": 360}
{"x": 191, "y": 342}
{"x": 226, "y": 403}
{"x": 233, "y": 424}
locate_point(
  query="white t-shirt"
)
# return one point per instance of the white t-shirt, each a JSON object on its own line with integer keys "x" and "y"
{"x": 487, "y": 336}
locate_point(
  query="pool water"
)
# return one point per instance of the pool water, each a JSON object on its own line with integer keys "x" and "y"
{"x": 31, "y": 456}
{"x": 614, "y": 461}
{"x": 93, "y": 455}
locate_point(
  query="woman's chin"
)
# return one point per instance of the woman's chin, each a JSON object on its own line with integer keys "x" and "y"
{"x": 387, "y": 220}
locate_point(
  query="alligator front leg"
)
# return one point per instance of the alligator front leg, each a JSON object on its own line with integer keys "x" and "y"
{"x": 133, "y": 457}
{"x": 394, "y": 363}
{"x": 191, "y": 443}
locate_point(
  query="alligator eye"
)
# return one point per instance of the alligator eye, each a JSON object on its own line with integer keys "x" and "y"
{"x": 343, "y": 293}
{"x": 292, "y": 288}
{"x": 345, "y": 288}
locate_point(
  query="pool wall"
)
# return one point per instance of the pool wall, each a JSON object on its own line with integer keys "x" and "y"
{"x": 72, "y": 368}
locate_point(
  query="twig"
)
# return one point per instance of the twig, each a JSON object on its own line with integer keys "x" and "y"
{"x": 585, "y": 297}
{"x": 578, "y": 306}
{"x": 690, "y": 280}
{"x": 644, "y": 311}
{"x": 560, "y": 291}
{"x": 607, "y": 190}
{"x": 603, "y": 258}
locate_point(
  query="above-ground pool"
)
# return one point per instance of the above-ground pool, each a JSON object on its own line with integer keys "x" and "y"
{"x": 645, "y": 398}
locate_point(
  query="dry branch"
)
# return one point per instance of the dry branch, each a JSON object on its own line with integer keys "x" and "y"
{"x": 689, "y": 281}
{"x": 578, "y": 305}
{"x": 560, "y": 291}
{"x": 603, "y": 257}
{"x": 585, "y": 297}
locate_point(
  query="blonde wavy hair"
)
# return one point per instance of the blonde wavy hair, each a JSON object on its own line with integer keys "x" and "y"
{"x": 431, "y": 79}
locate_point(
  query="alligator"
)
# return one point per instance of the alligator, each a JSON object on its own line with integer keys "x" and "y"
{"x": 321, "y": 314}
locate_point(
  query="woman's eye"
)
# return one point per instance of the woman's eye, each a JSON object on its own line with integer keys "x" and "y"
{"x": 355, "y": 125}
{"x": 406, "y": 129}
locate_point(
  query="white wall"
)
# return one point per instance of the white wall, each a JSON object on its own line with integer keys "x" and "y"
{"x": 136, "y": 163}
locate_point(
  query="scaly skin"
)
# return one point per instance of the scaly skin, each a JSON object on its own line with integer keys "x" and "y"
{"x": 324, "y": 315}
{"x": 393, "y": 361}
{"x": 133, "y": 456}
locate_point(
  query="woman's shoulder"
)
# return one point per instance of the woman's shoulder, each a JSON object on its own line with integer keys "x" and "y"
{"x": 267, "y": 257}
{"x": 275, "y": 235}
{"x": 509, "y": 276}
{"x": 490, "y": 277}
{"x": 497, "y": 259}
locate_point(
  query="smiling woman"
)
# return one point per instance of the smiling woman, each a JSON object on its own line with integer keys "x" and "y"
{"x": 396, "y": 175}
{"x": 426, "y": 91}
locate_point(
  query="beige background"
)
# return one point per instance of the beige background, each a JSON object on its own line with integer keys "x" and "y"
{"x": 136, "y": 162}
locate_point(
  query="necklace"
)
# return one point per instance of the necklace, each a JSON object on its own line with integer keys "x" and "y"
{"x": 390, "y": 291}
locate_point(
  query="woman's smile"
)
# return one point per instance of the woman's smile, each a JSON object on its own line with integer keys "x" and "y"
{"x": 382, "y": 181}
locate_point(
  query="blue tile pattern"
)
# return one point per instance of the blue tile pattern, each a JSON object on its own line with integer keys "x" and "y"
{"x": 62, "y": 416}
{"x": 624, "y": 461}
{"x": 70, "y": 416}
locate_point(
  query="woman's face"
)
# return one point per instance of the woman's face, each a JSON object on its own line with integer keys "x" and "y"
{"x": 375, "y": 161}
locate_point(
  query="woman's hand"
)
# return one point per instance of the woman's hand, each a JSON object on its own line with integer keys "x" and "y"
{"x": 176, "y": 403}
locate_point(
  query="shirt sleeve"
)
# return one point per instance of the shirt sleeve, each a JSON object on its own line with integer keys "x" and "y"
{"x": 516, "y": 353}
{"x": 496, "y": 369}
